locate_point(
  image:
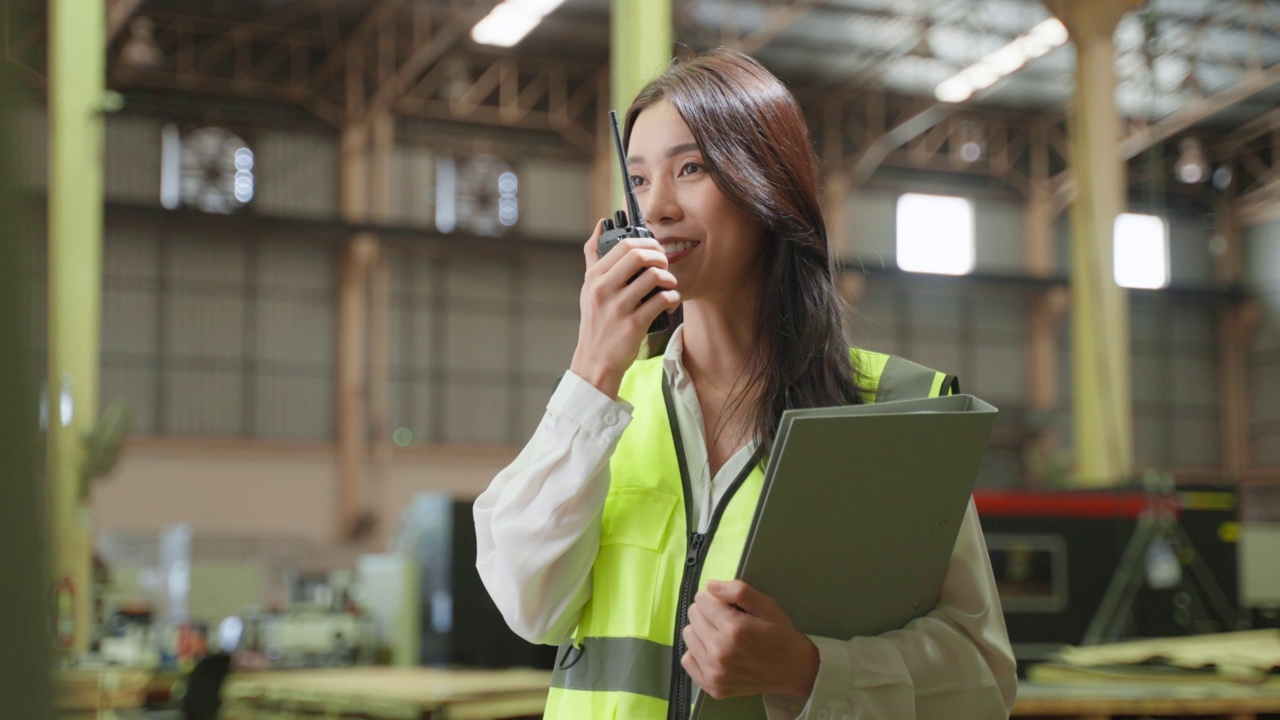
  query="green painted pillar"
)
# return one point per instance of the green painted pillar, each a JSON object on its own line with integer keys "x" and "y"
{"x": 25, "y": 682}
{"x": 641, "y": 39}
{"x": 77, "y": 75}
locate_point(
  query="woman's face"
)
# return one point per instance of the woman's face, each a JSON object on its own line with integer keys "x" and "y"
{"x": 712, "y": 246}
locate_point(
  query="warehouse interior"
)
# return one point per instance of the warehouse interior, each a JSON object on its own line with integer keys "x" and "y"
{"x": 290, "y": 281}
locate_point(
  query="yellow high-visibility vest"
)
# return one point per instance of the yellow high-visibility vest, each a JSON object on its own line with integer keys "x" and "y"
{"x": 623, "y": 661}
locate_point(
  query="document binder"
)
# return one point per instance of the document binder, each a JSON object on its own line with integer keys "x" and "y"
{"x": 858, "y": 517}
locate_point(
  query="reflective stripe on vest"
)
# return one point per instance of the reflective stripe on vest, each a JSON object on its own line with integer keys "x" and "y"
{"x": 621, "y": 660}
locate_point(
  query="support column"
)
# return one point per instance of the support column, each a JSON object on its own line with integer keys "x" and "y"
{"x": 26, "y": 685}
{"x": 1237, "y": 323}
{"x": 641, "y": 37}
{"x": 1103, "y": 421}
{"x": 380, "y": 331}
{"x": 77, "y": 74}
{"x": 835, "y": 191}
{"x": 1044, "y": 318}
{"x": 362, "y": 396}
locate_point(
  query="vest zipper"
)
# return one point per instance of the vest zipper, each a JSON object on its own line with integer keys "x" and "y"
{"x": 695, "y": 555}
{"x": 694, "y": 559}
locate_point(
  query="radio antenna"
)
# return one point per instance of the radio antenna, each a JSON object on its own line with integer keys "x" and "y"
{"x": 633, "y": 207}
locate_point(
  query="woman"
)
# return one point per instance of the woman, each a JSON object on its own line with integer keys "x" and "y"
{"x": 637, "y": 489}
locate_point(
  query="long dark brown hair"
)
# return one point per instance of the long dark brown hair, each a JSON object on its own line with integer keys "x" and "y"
{"x": 755, "y": 142}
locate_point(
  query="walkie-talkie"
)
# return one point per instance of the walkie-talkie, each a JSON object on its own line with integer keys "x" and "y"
{"x": 617, "y": 227}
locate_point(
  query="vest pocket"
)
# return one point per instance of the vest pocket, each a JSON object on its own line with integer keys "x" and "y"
{"x": 627, "y": 574}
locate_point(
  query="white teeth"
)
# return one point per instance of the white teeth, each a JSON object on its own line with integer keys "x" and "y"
{"x": 673, "y": 248}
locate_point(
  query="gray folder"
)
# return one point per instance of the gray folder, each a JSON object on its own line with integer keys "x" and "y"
{"x": 858, "y": 517}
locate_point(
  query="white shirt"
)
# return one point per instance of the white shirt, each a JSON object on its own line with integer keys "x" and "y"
{"x": 538, "y": 532}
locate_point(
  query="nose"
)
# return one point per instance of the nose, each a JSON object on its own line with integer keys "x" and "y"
{"x": 661, "y": 203}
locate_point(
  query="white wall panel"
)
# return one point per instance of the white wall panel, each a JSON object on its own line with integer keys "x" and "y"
{"x": 296, "y": 174}
{"x": 204, "y": 326}
{"x": 998, "y": 236}
{"x": 413, "y": 193}
{"x": 1194, "y": 442}
{"x": 467, "y": 280}
{"x": 129, "y": 323}
{"x": 295, "y": 332}
{"x": 1195, "y": 378}
{"x": 203, "y": 403}
{"x": 137, "y": 387}
{"x": 131, "y": 153}
{"x": 1189, "y": 258}
{"x": 999, "y": 375}
{"x": 478, "y": 342}
{"x": 205, "y": 259}
{"x": 130, "y": 252}
{"x": 547, "y": 344}
{"x": 554, "y": 281}
{"x": 296, "y": 265}
{"x": 870, "y": 214}
{"x": 555, "y": 197}
{"x": 293, "y": 407}
{"x": 477, "y": 414}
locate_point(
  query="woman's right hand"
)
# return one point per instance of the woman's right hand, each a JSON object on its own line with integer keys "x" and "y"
{"x": 615, "y": 315}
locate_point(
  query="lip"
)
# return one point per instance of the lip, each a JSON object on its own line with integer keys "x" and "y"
{"x": 672, "y": 240}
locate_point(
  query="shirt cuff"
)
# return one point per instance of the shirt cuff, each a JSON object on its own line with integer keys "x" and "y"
{"x": 582, "y": 403}
{"x": 830, "y": 697}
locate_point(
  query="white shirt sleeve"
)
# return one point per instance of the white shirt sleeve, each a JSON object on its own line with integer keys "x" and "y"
{"x": 954, "y": 663}
{"x": 538, "y": 523}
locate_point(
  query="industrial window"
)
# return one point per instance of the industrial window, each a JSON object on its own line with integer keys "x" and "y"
{"x": 935, "y": 234}
{"x": 1141, "y": 251}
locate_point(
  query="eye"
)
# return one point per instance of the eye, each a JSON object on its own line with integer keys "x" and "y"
{"x": 690, "y": 168}
{"x": 637, "y": 181}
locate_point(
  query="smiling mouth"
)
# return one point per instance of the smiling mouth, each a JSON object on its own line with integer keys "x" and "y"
{"x": 677, "y": 248}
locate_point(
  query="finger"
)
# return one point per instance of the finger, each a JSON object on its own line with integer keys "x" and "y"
{"x": 737, "y": 592}
{"x": 591, "y": 250}
{"x": 620, "y": 265}
{"x": 662, "y": 301}
{"x": 653, "y": 255}
{"x": 691, "y": 666}
{"x": 698, "y": 644}
{"x": 715, "y": 612}
{"x": 649, "y": 279}
{"x": 699, "y": 617}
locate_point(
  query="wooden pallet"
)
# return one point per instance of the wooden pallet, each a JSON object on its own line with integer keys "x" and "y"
{"x": 1101, "y": 701}
{"x": 386, "y": 694}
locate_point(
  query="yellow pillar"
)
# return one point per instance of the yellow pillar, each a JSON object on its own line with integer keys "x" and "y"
{"x": 641, "y": 38}
{"x": 1103, "y": 421}
{"x": 77, "y": 75}
{"x": 25, "y": 687}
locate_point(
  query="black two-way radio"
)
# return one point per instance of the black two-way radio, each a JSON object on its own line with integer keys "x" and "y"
{"x": 617, "y": 227}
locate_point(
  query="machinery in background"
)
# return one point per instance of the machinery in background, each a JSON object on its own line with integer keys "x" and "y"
{"x": 321, "y": 627}
{"x": 448, "y": 608}
{"x": 1134, "y": 564}
{"x": 169, "y": 598}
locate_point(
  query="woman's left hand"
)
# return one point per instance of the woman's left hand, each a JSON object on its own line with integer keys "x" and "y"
{"x": 741, "y": 643}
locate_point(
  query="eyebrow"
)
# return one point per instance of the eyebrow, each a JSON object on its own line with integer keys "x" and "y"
{"x": 677, "y": 150}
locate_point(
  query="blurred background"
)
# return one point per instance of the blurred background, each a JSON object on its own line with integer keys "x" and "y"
{"x": 300, "y": 276}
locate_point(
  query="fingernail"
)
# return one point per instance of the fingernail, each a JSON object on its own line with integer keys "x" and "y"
{"x": 713, "y": 584}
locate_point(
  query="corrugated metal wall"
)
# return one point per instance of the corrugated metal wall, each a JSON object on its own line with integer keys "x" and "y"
{"x": 1264, "y": 278}
{"x": 206, "y": 334}
{"x": 215, "y": 335}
